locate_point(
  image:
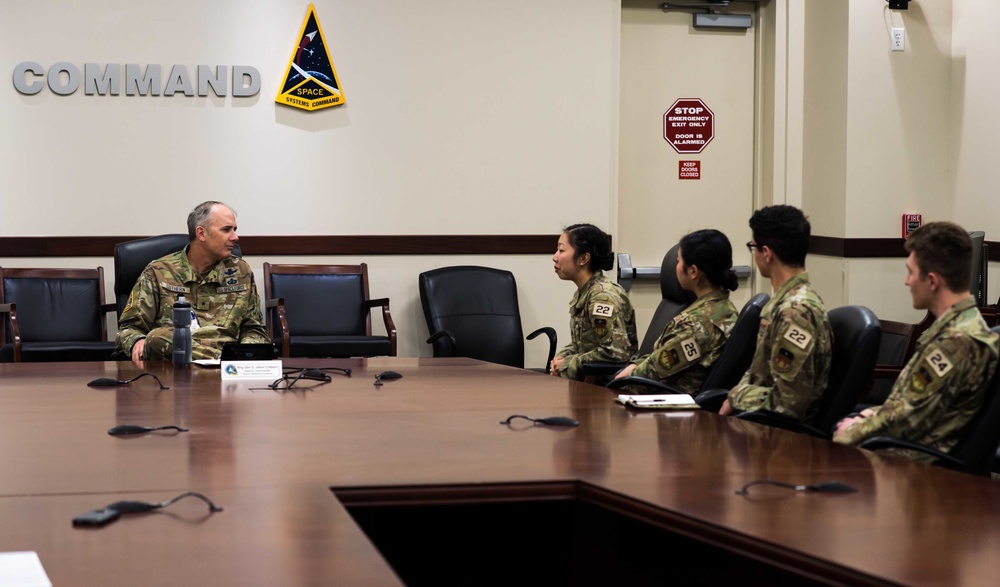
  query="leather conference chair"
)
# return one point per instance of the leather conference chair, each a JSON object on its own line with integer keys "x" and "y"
{"x": 54, "y": 315}
{"x": 898, "y": 341}
{"x": 856, "y": 335}
{"x": 324, "y": 311}
{"x": 673, "y": 299}
{"x": 977, "y": 445}
{"x": 473, "y": 312}
{"x": 131, "y": 258}
{"x": 731, "y": 364}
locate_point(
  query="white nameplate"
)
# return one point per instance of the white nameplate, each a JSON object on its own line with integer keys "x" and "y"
{"x": 251, "y": 370}
{"x": 22, "y": 569}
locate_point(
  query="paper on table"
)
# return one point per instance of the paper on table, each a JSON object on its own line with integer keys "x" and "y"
{"x": 22, "y": 569}
{"x": 668, "y": 401}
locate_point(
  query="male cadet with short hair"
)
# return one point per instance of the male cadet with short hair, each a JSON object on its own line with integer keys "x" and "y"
{"x": 943, "y": 385}
{"x": 220, "y": 288}
{"x": 791, "y": 366}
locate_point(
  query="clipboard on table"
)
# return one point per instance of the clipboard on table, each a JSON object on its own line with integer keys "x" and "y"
{"x": 667, "y": 401}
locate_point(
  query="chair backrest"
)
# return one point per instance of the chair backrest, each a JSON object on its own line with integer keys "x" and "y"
{"x": 738, "y": 352}
{"x": 977, "y": 445}
{"x": 55, "y": 305}
{"x": 980, "y": 267}
{"x": 131, "y": 258}
{"x": 478, "y": 306}
{"x": 856, "y": 336}
{"x": 321, "y": 299}
{"x": 674, "y": 298}
{"x": 897, "y": 340}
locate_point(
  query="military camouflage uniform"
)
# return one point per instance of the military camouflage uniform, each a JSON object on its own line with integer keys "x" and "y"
{"x": 941, "y": 387}
{"x": 602, "y": 326}
{"x": 690, "y": 343}
{"x": 225, "y": 303}
{"x": 791, "y": 366}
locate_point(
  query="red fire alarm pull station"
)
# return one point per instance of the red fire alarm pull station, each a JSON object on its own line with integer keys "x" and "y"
{"x": 911, "y": 222}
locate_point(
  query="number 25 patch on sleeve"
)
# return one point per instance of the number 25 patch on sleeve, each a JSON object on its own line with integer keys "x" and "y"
{"x": 798, "y": 337}
{"x": 604, "y": 310}
{"x": 939, "y": 362}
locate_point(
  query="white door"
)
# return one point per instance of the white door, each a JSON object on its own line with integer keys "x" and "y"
{"x": 664, "y": 59}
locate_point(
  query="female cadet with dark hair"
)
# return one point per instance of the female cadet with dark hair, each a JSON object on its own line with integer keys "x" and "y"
{"x": 602, "y": 322}
{"x": 693, "y": 340}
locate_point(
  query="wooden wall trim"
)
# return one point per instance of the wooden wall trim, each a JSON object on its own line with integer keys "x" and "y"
{"x": 478, "y": 244}
{"x": 452, "y": 244}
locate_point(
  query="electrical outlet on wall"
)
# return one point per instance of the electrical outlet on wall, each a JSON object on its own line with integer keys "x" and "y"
{"x": 898, "y": 38}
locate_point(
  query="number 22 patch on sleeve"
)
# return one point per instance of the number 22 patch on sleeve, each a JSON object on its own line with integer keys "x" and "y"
{"x": 798, "y": 337}
{"x": 604, "y": 310}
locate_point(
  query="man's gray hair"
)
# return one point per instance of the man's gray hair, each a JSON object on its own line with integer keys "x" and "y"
{"x": 200, "y": 215}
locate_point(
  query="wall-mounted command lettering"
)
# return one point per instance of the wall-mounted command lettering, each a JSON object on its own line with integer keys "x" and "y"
{"x": 64, "y": 79}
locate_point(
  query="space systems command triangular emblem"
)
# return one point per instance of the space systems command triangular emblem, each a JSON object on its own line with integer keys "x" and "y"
{"x": 311, "y": 81}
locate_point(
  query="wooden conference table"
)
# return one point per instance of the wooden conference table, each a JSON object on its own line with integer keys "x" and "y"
{"x": 448, "y": 494}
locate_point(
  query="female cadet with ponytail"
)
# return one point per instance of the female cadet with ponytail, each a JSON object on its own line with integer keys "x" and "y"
{"x": 602, "y": 322}
{"x": 693, "y": 340}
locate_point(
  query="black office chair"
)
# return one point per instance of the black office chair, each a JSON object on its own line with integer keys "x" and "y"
{"x": 473, "y": 312}
{"x": 856, "y": 335}
{"x": 731, "y": 364}
{"x": 131, "y": 258}
{"x": 324, "y": 311}
{"x": 894, "y": 350}
{"x": 673, "y": 299}
{"x": 977, "y": 445}
{"x": 54, "y": 315}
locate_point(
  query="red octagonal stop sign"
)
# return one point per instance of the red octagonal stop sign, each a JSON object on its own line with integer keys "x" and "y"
{"x": 688, "y": 125}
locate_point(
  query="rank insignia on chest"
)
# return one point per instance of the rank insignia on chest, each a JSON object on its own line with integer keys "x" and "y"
{"x": 783, "y": 360}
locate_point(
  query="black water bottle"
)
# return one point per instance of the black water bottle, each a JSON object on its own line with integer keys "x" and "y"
{"x": 182, "y": 332}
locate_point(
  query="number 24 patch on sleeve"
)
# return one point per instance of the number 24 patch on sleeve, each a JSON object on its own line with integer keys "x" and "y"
{"x": 939, "y": 362}
{"x": 604, "y": 310}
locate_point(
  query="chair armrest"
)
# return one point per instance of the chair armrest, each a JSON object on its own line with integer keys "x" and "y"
{"x": 390, "y": 326}
{"x": 657, "y": 386}
{"x": 11, "y": 310}
{"x": 602, "y": 368}
{"x": 449, "y": 349}
{"x": 783, "y": 422}
{"x": 887, "y": 371}
{"x": 881, "y": 442}
{"x": 711, "y": 399}
{"x": 278, "y": 305}
{"x": 551, "y": 333}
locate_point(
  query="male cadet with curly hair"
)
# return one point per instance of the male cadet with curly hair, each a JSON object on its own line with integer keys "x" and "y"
{"x": 220, "y": 288}
{"x": 943, "y": 385}
{"x": 791, "y": 366}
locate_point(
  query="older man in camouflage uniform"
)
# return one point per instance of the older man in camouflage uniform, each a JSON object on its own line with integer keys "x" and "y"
{"x": 791, "y": 366}
{"x": 690, "y": 344}
{"x": 220, "y": 288}
{"x": 944, "y": 383}
{"x": 602, "y": 327}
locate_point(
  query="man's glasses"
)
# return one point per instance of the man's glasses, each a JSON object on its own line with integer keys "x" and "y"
{"x": 752, "y": 245}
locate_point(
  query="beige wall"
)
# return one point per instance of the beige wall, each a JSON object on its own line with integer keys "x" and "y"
{"x": 878, "y": 133}
{"x": 467, "y": 117}
{"x": 461, "y": 118}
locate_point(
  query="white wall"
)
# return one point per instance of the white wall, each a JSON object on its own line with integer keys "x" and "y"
{"x": 461, "y": 118}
